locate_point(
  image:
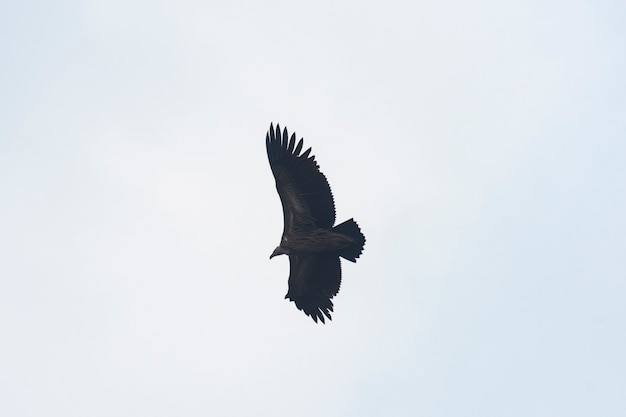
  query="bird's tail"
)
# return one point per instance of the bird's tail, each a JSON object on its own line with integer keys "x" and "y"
{"x": 350, "y": 228}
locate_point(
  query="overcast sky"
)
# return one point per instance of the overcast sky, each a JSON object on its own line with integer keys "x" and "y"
{"x": 481, "y": 147}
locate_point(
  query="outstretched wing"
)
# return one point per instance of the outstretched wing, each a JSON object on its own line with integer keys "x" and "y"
{"x": 314, "y": 279}
{"x": 304, "y": 191}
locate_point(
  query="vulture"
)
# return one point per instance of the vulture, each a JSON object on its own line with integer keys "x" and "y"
{"x": 310, "y": 239}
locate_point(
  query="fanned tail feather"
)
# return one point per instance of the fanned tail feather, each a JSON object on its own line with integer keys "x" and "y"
{"x": 351, "y": 228}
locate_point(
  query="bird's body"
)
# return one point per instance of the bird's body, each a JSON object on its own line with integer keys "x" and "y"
{"x": 309, "y": 238}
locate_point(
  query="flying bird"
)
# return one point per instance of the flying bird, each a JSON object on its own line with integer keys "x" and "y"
{"x": 312, "y": 243}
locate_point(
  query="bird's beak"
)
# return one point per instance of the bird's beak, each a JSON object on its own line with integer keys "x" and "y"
{"x": 276, "y": 252}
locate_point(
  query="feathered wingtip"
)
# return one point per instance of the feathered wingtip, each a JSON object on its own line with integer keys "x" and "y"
{"x": 316, "y": 311}
{"x": 275, "y": 140}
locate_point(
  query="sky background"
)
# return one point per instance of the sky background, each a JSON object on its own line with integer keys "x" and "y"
{"x": 481, "y": 147}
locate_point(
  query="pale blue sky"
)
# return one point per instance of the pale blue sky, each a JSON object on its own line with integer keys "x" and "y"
{"x": 480, "y": 146}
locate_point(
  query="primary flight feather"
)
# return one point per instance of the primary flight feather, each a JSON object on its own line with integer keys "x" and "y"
{"x": 313, "y": 245}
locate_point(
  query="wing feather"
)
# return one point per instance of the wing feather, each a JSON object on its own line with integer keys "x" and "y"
{"x": 304, "y": 191}
{"x": 314, "y": 279}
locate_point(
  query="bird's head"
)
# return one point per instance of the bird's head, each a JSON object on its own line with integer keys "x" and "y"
{"x": 279, "y": 251}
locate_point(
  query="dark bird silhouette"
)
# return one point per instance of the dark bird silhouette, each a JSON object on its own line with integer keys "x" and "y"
{"x": 313, "y": 245}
